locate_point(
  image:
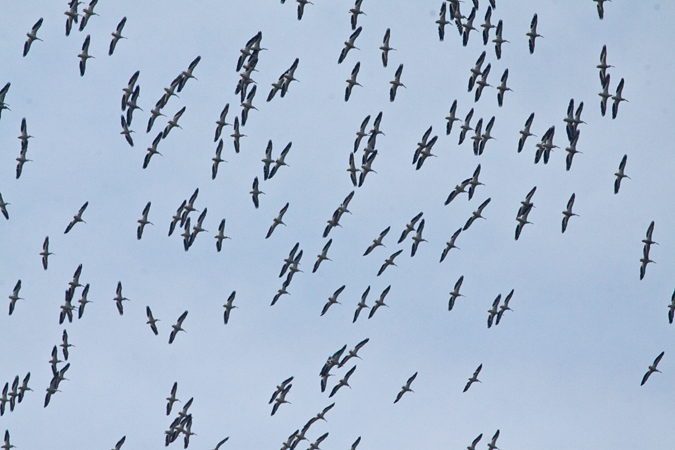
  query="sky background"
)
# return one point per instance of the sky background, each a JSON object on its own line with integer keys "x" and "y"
{"x": 562, "y": 370}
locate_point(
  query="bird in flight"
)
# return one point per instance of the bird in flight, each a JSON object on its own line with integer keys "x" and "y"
{"x": 455, "y": 293}
{"x": 349, "y": 44}
{"x": 32, "y": 36}
{"x": 332, "y": 299}
{"x": 385, "y": 47}
{"x": 14, "y": 297}
{"x": 84, "y": 55}
{"x": 620, "y": 174}
{"x": 532, "y": 34}
{"x": 143, "y": 221}
{"x": 568, "y": 213}
{"x": 229, "y": 306}
{"x": 362, "y": 304}
{"x": 278, "y": 220}
{"x": 76, "y": 218}
{"x": 652, "y": 369}
{"x": 473, "y": 379}
{"x": 117, "y": 35}
{"x": 83, "y": 301}
{"x": 406, "y": 387}
{"x": 396, "y": 83}
{"x": 119, "y": 298}
{"x": 377, "y": 241}
{"x": 617, "y": 99}
{"x": 45, "y": 251}
{"x": 3, "y": 207}
{"x": 177, "y": 327}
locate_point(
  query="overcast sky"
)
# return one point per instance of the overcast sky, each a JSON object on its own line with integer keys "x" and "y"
{"x": 560, "y": 371}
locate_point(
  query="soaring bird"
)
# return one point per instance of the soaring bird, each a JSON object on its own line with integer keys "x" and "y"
{"x": 499, "y": 40}
{"x": 14, "y": 297}
{"x": 229, "y": 306}
{"x": 644, "y": 260}
{"x": 143, "y": 221}
{"x": 65, "y": 345}
{"x": 473, "y": 378}
{"x": 236, "y": 135}
{"x": 482, "y": 82}
{"x": 468, "y": 27}
{"x": 84, "y": 55}
{"x": 571, "y": 151}
{"x": 455, "y": 293}
{"x": 332, "y": 299}
{"x": 652, "y": 369}
{"x": 504, "y": 307}
{"x": 45, "y": 250}
{"x": 362, "y": 304}
{"x": 177, "y": 327}
{"x": 617, "y": 99}
{"x": 389, "y": 262}
{"x": 450, "y": 244}
{"x": 349, "y": 44}
{"x": 604, "y": 95}
{"x": 395, "y": 83}
{"x": 442, "y": 22}
{"x": 487, "y": 25}
{"x": 129, "y": 89}
{"x": 492, "y": 445}
{"x": 281, "y": 160}
{"x": 119, "y": 298}
{"x": 173, "y": 123}
{"x": 410, "y": 227}
{"x": 3, "y": 207}
{"x": 466, "y": 127}
{"x": 568, "y": 213}
{"x": 71, "y": 15}
{"x": 87, "y": 13}
{"x": 118, "y": 446}
{"x": 354, "y": 352}
{"x": 32, "y": 36}
{"x": 322, "y": 256}
{"x": 620, "y": 175}
{"x": 377, "y": 241}
{"x": 475, "y": 441}
{"x": 477, "y": 214}
{"x": 221, "y": 443}
{"x": 502, "y": 88}
{"x": 220, "y": 237}
{"x": 221, "y": 122}
{"x": 255, "y": 192}
{"x": 83, "y": 301}
{"x": 601, "y": 8}
{"x": 172, "y": 398}
{"x": 493, "y": 311}
{"x": 278, "y": 220}
{"x": 3, "y": 93}
{"x": 76, "y": 218}
{"x": 343, "y": 382}
{"x": 279, "y": 389}
{"x": 281, "y": 399}
{"x": 532, "y": 34}
{"x": 152, "y": 150}
{"x": 117, "y": 35}
{"x": 671, "y": 308}
{"x": 151, "y": 320}
{"x": 385, "y": 47}
{"x": 187, "y": 74}
{"x": 603, "y": 66}
{"x": 417, "y": 238}
{"x": 301, "y": 7}
{"x": 247, "y": 105}
{"x": 351, "y": 81}
{"x": 380, "y": 301}
{"x": 21, "y": 161}
{"x": 217, "y": 160}
{"x": 406, "y": 387}
{"x": 355, "y": 12}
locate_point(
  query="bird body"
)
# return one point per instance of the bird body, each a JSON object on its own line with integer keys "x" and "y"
{"x": 406, "y": 387}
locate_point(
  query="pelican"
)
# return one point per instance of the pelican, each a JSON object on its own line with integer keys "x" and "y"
{"x": 220, "y": 237}
{"x": 417, "y": 238}
{"x": 475, "y": 441}
{"x": 176, "y": 217}
{"x": 229, "y": 307}
{"x": 129, "y": 89}
{"x": 571, "y": 151}
{"x": 671, "y": 308}
{"x": 24, "y": 387}
{"x": 173, "y": 123}
{"x": 119, "y": 298}
{"x": 396, "y": 83}
{"x": 278, "y": 220}
{"x": 355, "y": 12}
{"x": 380, "y": 301}
{"x": 377, "y": 241}
{"x": 385, "y": 47}
{"x": 151, "y": 320}
{"x": 504, "y": 307}
{"x": 246, "y": 51}
{"x": 603, "y": 66}
{"x": 487, "y": 25}
{"x": 527, "y": 203}
{"x": 477, "y": 214}
{"x": 143, "y": 221}
{"x": 644, "y": 260}
{"x": 498, "y": 40}
{"x": 71, "y": 15}
{"x": 14, "y": 297}
{"x": 525, "y": 132}
{"x": 3, "y": 93}
{"x": 389, "y": 262}
{"x": 473, "y": 379}
{"x": 3, "y": 401}
{"x": 45, "y": 250}
{"x": 620, "y": 175}
{"x": 289, "y": 260}
{"x": 55, "y": 359}
{"x": 77, "y": 218}
{"x": 171, "y": 90}
{"x": 450, "y": 244}
{"x": 281, "y": 160}
{"x": 617, "y": 99}
{"x": 493, "y": 311}
{"x": 7, "y": 445}
{"x": 236, "y": 134}
{"x": 65, "y": 345}
{"x": 279, "y": 389}
{"x": 83, "y": 301}
{"x": 126, "y": 132}
{"x": 3, "y": 207}
{"x": 522, "y": 219}
{"x": 301, "y": 7}
{"x": 604, "y": 95}
{"x": 333, "y": 360}
{"x": 343, "y": 382}
{"x": 492, "y": 445}
{"x": 198, "y": 227}
{"x": 532, "y": 34}
{"x": 281, "y": 398}
{"x": 484, "y": 138}
{"x": 21, "y": 161}
{"x": 217, "y": 160}
{"x": 354, "y": 352}
{"x": 322, "y": 256}
{"x": 23, "y": 137}
{"x": 187, "y": 74}
{"x": 410, "y": 227}
{"x": 465, "y": 127}
{"x": 32, "y": 36}
{"x": 221, "y": 121}
{"x": 455, "y": 293}
{"x": 422, "y": 153}
{"x": 172, "y": 398}
{"x": 468, "y": 26}
{"x": 67, "y": 308}
{"x": 482, "y": 82}
{"x": 289, "y": 76}
{"x": 568, "y": 213}
{"x": 652, "y": 369}
{"x": 117, "y": 35}
{"x": 131, "y": 104}
{"x": 474, "y": 183}
{"x": 442, "y": 22}
{"x": 601, "y": 8}
{"x": 332, "y": 299}
{"x": 545, "y": 146}
{"x": 376, "y": 125}
{"x": 361, "y": 133}
{"x": 349, "y": 44}
{"x": 177, "y": 327}
{"x": 221, "y": 443}
{"x": 502, "y": 88}
{"x": 351, "y": 81}
{"x": 152, "y": 150}
{"x": 84, "y": 55}
{"x": 451, "y": 118}
{"x": 118, "y": 446}
{"x": 87, "y": 13}
{"x": 406, "y": 387}
{"x": 361, "y": 304}
{"x": 648, "y": 238}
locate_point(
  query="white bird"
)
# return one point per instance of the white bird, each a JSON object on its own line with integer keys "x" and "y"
{"x": 601, "y": 7}
{"x": 406, "y": 387}
{"x": 466, "y": 127}
{"x": 442, "y": 22}
{"x": 492, "y": 445}
{"x": 603, "y": 66}
{"x": 173, "y": 123}
{"x": 385, "y": 47}
{"x": 451, "y": 118}
{"x": 417, "y": 239}
{"x": 126, "y": 132}
{"x": 379, "y": 302}
{"x": 281, "y": 160}
{"x": 132, "y": 105}
{"x": 87, "y": 13}
{"x": 475, "y": 441}
{"x": 362, "y": 304}
{"x": 450, "y": 244}
{"x": 151, "y": 320}
{"x": 32, "y": 36}
{"x": 322, "y": 256}
{"x": 281, "y": 399}
{"x": 652, "y": 369}
{"x": 236, "y": 134}
{"x": 617, "y": 99}
{"x": 119, "y": 298}
{"x": 502, "y": 88}
{"x": 45, "y": 250}
{"x": 504, "y": 307}
{"x": 377, "y": 241}
{"x": 177, "y": 217}
{"x": 571, "y": 151}
{"x": 301, "y": 7}
{"x": 279, "y": 389}
{"x": 14, "y": 297}
{"x": 355, "y": 12}
{"x": 71, "y": 15}
{"x": 83, "y": 301}
{"x": 229, "y": 307}
{"x": 118, "y": 446}
{"x": 187, "y": 74}
{"x": 220, "y": 237}
{"x": 172, "y": 398}
{"x": 332, "y": 299}
{"x": 3, "y": 93}
{"x": 343, "y": 382}
{"x": 494, "y": 310}
{"x": 473, "y": 378}
{"x": 604, "y": 95}
{"x": 278, "y": 220}
{"x": 455, "y": 293}
{"x": 396, "y": 83}
{"x": 221, "y": 122}
{"x": 532, "y": 34}
{"x": 487, "y": 25}
{"x": 247, "y": 105}
{"x": 21, "y": 160}
{"x": 354, "y": 352}
{"x": 178, "y": 326}
{"x": 620, "y": 175}
{"x": 117, "y": 35}
{"x": 152, "y": 150}
{"x": 3, "y": 207}
{"x": 217, "y": 160}
{"x": 389, "y": 262}
{"x": 143, "y": 221}
{"x": 129, "y": 89}
{"x": 499, "y": 40}
{"x": 567, "y": 213}
{"x": 65, "y": 345}
{"x": 84, "y": 55}
{"x": 76, "y": 218}
{"x": 349, "y": 44}
{"x": 468, "y": 27}
{"x": 477, "y": 214}
{"x": 351, "y": 81}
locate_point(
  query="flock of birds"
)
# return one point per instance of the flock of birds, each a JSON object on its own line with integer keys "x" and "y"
{"x": 246, "y": 88}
